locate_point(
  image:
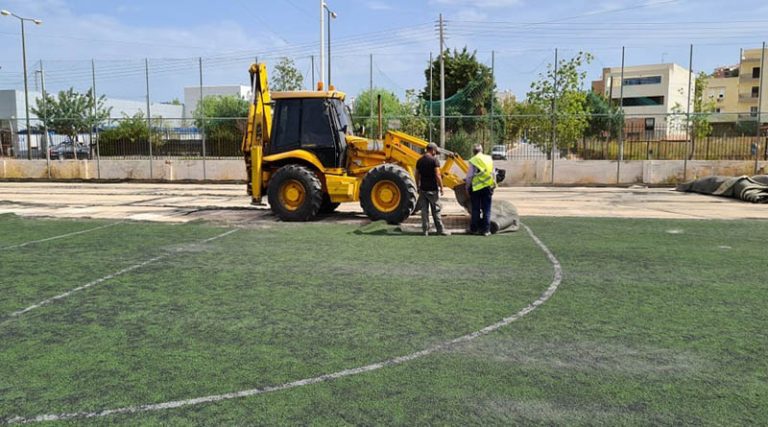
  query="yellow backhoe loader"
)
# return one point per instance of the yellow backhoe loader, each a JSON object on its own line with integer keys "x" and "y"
{"x": 300, "y": 150}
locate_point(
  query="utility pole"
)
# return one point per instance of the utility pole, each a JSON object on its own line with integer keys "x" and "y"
{"x": 442, "y": 82}
{"x": 322, "y": 41}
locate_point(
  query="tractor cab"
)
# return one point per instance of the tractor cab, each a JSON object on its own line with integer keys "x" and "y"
{"x": 315, "y": 121}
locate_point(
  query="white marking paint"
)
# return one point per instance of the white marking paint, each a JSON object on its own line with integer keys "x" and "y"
{"x": 103, "y": 279}
{"x": 21, "y": 245}
{"x": 675, "y": 231}
{"x": 556, "y": 280}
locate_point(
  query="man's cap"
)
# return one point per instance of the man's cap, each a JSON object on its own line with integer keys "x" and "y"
{"x": 432, "y": 146}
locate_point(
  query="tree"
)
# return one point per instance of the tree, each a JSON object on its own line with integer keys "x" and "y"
{"x": 407, "y": 113}
{"x": 132, "y": 130}
{"x": 521, "y": 118}
{"x": 605, "y": 120}
{"x": 287, "y": 77}
{"x": 698, "y": 123}
{"x": 71, "y": 113}
{"x": 565, "y": 104}
{"x": 222, "y": 117}
{"x": 469, "y": 87}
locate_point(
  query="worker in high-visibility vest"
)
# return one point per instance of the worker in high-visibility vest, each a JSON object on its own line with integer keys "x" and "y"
{"x": 480, "y": 182}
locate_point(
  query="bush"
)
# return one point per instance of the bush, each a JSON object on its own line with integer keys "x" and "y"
{"x": 461, "y": 143}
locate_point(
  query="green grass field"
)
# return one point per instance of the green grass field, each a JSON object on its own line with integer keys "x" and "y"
{"x": 655, "y": 322}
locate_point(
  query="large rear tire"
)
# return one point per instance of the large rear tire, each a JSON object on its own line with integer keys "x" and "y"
{"x": 389, "y": 193}
{"x": 295, "y": 193}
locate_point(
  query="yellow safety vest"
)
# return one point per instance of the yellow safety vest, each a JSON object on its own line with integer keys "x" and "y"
{"x": 483, "y": 171}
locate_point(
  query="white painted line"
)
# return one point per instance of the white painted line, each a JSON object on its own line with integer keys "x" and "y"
{"x": 556, "y": 280}
{"x": 21, "y": 245}
{"x": 103, "y": 279}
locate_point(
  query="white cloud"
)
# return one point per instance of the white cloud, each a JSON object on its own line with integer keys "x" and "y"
{"x": 378, "y": 5}
{"x": 470, "y": 15}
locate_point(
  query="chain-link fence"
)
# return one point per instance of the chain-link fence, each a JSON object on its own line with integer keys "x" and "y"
{"x": 651, "y": 112}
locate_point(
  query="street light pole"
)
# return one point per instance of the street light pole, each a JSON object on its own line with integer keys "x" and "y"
{"x": 331, "y": 15}
{"x": 26, "y": 84}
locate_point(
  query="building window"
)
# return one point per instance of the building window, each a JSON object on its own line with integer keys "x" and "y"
{"x": 636, "y": 81}
{"x": 718, "y": 110}
{"x": 753, "y": 111}
{"x": 650, "y": 123}
{"x": 755, "y": 91}
{"x": 756, "y": 72}
{"x": 643, "y": 101}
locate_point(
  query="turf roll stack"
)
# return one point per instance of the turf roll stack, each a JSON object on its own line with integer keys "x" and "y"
{"x": 504, "y": 215}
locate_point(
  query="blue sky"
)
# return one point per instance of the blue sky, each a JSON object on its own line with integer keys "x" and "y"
{"x": 228, "y": 34}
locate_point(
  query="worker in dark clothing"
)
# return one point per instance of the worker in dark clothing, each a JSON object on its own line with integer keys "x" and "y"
{"x": 480, "y": 182}
{"x": 429, "y": 181}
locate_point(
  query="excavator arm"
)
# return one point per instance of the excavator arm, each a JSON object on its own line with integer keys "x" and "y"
{"x": 258, "y": 130}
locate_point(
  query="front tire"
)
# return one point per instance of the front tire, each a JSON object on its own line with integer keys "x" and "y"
{"x": 389, "y": 193}
{"x": 295, "y": 193}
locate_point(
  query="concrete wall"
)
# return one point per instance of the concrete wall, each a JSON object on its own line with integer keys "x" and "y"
{"x": 519, "y": 172}
{"x": 166, "y": 170}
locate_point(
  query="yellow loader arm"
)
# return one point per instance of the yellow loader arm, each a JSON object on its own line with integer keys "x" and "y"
{"x": 258, "y": 130}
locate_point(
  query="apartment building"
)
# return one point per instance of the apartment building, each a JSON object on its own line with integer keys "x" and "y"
{"x": 749, "y": 84}
{"x": 649, "y": 95}
{"x": 723, "y": 90}
{"x": 735, "y": 90}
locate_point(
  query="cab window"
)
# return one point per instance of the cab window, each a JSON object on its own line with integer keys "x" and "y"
{"x": 316, "y": 122}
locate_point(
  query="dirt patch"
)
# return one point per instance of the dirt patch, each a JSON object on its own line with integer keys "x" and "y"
{"x": 585, "y": 356}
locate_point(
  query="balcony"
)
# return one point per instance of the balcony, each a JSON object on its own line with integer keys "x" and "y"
{"x": 747, "y": 98}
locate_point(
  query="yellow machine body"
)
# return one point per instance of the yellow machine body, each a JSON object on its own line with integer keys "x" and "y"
{"x": 382, "y": 190}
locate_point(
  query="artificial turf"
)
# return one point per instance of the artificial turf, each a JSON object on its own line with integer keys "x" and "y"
{"x": 659, "y": 322}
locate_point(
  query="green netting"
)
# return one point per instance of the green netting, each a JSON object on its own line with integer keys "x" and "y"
{"x": 461, "y": 101}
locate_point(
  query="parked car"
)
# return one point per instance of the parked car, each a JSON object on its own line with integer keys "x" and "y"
{"x": 63, "y": 150}
{"x": 499, "y": 152}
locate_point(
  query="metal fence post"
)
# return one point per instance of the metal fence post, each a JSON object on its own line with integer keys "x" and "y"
{"x": 430, "y": 96}
{"x": 688, "y": 117}
{"x": 758, "y": 152}
{"x": 202, "y": 122}
{"x": 149, "y": 118}
{"x": 98, "y": 151}
{"x": 370, "y": 94}
{"x": 554, "y": 123}
{"x": 620, "y": 157}
{"x": 45, "y": 123}
{"x": 493, "y": 93}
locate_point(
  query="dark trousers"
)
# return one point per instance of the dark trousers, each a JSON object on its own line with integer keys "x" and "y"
{"x": 481, "y": 210}
{"x": 430, "y": 200}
